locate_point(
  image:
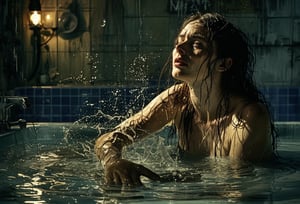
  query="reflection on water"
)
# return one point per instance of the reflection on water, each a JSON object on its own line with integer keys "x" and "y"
{"x": 65, "y": 170}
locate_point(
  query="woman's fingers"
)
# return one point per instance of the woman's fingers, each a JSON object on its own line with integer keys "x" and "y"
{"x": 117, "y": 179}
{"x": 128, "y": 174}
{"x": 131, "y": 179}
{"x": 143, "y": 171}
{"x": 109, "y": 178}
{"x": 136, "y": 179}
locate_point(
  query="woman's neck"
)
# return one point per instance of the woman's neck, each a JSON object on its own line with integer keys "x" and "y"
{"x": 206, "y": 99}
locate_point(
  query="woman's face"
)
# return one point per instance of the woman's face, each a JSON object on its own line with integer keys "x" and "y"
{"x": 191, "y": 53}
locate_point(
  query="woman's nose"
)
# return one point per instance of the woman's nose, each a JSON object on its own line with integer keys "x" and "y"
{"x": 181, "y": 48}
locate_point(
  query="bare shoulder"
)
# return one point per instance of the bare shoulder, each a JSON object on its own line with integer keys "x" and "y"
{"x": 254, "y": 132}
{"x": 255, "y": 114}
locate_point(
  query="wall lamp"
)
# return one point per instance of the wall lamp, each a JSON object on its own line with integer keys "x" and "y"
{"x": 35, "y": 19}
{"x": 42, "y": 24}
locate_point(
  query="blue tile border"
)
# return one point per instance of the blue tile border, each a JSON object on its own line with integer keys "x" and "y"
{"x": 284, "y": 102}
{"x": 68, "y": 104}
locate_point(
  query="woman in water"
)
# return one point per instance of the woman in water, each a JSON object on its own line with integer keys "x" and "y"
{"x": 216, "y": 108}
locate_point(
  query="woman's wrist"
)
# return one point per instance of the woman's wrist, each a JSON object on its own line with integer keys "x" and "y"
{"x": 108, "y": 154}
{"x": 109, "y": 147}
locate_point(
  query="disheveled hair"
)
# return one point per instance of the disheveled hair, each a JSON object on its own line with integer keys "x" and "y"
{"x": 232, "y": 43}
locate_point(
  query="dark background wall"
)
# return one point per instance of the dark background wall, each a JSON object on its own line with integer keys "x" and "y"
{"x": 128, "y": 41}
{"x": 125, "y": 43}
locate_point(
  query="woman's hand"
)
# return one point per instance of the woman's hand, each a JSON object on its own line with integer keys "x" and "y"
{"x": 126, "y": 173}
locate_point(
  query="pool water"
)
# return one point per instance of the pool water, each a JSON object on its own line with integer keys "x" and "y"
{"x": 55, "y": 163}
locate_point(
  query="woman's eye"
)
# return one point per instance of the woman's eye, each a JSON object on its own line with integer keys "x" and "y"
{"x": 197, "y": 45}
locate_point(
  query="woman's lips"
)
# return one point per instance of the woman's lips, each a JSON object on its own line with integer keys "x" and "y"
{"x": 179, "y": 62}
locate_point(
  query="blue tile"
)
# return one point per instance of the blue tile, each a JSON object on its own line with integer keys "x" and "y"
{"x": 95, "y": 92}
{"x": 293, "y": 99}
{"x": 29, "y": 91}
{"x": 283, "y": 109}
{"x": 83, "y": 100}
{"x": 292, "y": 109}
{"x": 283, "y": 91}
{"x": 66, "y": 118}
{"x": 46, "y": 92}
{"x": 84, "y": 91}
{"x": 56, "y": 119}
{"x": 41, "y": 119}
{"x": 56, "y": 100}
{"x": 264, "y": 90}
{"x": 105, "y": 91}
{"x": 65, "y": 110}
{"x": 65, "y": 91}
{"x": 47, "y": 110}
{"x": 273, "y": 91}
{"x": 56, "y": 110}
{"x": 38, "y": 100}
{"x": 274, "y": 99}
{"x": 282, "y": 118}
{"x": 94, "y": 99}
{"x": 74, "y": 101}
{"x": 74, "y": 91}
{"x": 56, "y": 91}
{"x": 292, "y": 117}
{"x": 65, "y": 100}
{"x": 47, "y": 100}
{"x": 37, "y": 92}
{"x": 294, "y": 91}
{"x": 283, "y": 100}
{"x": 73, "y": 118}
{"x": 38, "y": 108}
{"x": 75, "y": 109}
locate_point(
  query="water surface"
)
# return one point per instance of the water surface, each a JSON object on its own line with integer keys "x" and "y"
{"x": 57, "y": 164}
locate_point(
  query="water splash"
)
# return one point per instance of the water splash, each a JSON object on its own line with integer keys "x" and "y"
{"x": 103, "y": 23}
{"x": 85, "y": 77}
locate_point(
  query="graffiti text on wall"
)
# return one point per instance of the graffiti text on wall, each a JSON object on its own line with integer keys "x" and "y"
{"x": 182, "y": 7}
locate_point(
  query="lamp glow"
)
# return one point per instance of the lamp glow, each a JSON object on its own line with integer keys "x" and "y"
{"x": 48, "y": 19}
{"x": 35, "y": 18}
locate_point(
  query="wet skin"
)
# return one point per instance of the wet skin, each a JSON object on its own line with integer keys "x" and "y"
{"x": 246, "y": 126}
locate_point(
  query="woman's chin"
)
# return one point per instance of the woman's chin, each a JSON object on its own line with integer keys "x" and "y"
{"x": 177, "y": 73}
{"x": 181, "y": 76}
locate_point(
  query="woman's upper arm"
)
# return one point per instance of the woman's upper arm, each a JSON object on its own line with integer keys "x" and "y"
{"x": 160, "y": 111}
{"x": 252, "y": 138}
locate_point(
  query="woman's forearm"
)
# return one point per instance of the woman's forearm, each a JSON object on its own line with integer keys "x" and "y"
{"x": 108, "y": 147}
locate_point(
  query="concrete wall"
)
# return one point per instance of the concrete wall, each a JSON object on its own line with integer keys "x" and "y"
{"x": 128, "y": 41}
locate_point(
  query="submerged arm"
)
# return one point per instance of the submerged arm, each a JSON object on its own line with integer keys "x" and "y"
{"x": 109, "y": 146}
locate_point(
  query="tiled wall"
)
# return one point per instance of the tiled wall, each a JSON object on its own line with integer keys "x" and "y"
{"x": 284, "y": 102}
{"x": 57, "y": 104}
{"x": 63, "y": 104}
{"x": 127, "y": 41}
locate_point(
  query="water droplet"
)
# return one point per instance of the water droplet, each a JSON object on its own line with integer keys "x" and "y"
{"x": 103, "y": 24}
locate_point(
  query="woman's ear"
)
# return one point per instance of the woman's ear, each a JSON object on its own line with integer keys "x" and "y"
{"x": 225, "y": 64}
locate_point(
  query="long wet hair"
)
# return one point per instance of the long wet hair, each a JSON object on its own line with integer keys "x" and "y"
{"x": 237, "y": 80}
